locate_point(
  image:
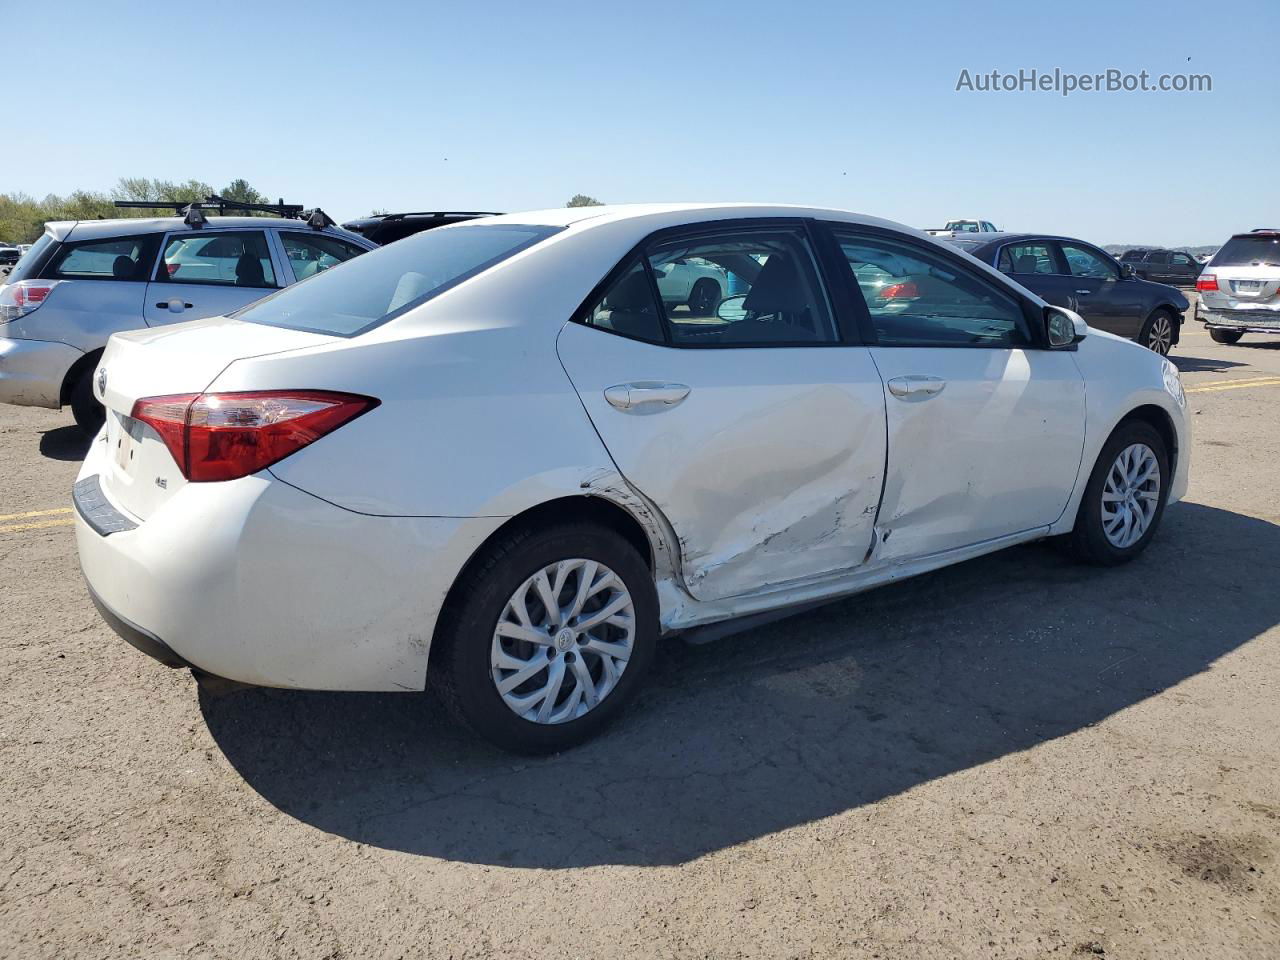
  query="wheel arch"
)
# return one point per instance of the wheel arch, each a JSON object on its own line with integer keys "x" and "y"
{"x": 1158, "y": 418}
{"x": 586, "y": 508}
{"x": 82, "y": 365}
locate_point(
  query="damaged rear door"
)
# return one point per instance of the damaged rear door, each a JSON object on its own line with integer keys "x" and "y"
{"x": 755, "y": 428}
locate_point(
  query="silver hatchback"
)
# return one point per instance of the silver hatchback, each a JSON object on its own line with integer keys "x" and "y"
{"x": 1240, "y": 288}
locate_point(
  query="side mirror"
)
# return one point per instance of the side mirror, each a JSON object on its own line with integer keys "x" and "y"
{"x": 731, "y": 310}
{"x": 1126, "y": 271}
{"x": 1063, "y": 327}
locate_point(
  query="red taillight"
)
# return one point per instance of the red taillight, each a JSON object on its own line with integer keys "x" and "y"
{"x": 172, "y": 268}
{"x": 223, "y": 436}
{"x": 1206, "y": 281}
{"x": 21, "y": 297}
{"x": 905, "y": 290}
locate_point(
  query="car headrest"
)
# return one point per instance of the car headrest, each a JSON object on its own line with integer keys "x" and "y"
{"x": 1026, "y": 263}
{"x": 777, "y": 289}
{"x": 249, "y": 272}
{"x": 123, "y": 268}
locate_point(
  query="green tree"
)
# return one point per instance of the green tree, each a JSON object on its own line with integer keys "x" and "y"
{"x": 241, "y": 191}
{"x": 582, "y": 200}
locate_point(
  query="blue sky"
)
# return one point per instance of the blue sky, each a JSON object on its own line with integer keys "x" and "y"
{"x": 508, "y": 106}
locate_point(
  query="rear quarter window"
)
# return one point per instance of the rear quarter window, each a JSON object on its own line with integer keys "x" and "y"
{"x": 385, "y": 283}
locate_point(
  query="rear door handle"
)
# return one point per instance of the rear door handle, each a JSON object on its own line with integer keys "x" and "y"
{"x": 916, "y": 387}
{"x": 648, "y": 395}
{"x": 174, "y": 306}
{"x": 1085, "y": 292}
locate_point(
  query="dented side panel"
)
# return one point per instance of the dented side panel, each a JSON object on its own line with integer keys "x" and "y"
{"x": 769, "y": 471}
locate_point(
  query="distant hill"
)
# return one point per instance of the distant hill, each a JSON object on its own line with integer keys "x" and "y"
{"x": 1115, "y": 249}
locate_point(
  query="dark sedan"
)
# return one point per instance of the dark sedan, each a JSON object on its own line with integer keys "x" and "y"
{"x": 1164, "y": 266}
{"x": 1081, "y": 277}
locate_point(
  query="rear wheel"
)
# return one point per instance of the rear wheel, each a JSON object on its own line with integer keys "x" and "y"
{"x": 1157, "y": 332}
{"x": 85, "y": 407}
{"x": 1124, "y": 500}
{"x": 1226, "y": 336}
{"x": 548, "y": 637}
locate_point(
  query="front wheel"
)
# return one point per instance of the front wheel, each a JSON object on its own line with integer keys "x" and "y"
{"x": 1157, "y": 333}
{"x": 1225, "y": 336}
{"x": 89, "y": 413}
{"x": 1125, "y": 497}
{"x": 548, "y": 638}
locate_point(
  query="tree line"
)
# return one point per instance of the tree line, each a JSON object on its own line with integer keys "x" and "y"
{"x": 22, "y": 218}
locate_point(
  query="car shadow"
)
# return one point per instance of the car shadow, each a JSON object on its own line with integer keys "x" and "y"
{"x": 785, "y": 724}
{"x": 65, "y": 443}
{"x": 1202, "y": 364}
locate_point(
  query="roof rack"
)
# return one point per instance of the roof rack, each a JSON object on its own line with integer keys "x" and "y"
{"x": 435, "y": 213}
{"x": 193, "y": 210}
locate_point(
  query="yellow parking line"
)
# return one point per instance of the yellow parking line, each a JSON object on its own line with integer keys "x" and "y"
{"x": 40, "y": 525}
{"x": 1234, "y": 385}
{"x": 33, "y": 513}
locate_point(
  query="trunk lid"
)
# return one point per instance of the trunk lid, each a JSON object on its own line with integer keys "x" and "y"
{"x": 139, "y": 474}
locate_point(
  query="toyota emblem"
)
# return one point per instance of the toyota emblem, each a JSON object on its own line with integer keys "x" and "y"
{"x": 102, "y": 381}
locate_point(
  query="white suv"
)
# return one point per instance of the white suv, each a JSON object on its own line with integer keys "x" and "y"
{"x": 85, "y": 280}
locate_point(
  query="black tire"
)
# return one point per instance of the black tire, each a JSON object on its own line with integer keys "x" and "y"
{"x": 1161, "y": 322}
{"x": 460, "y": 663}
{"x": 1087, "y": 540}
{"x": 85, "y": 407}
{"x": 1226, "y": 336}
{"x": 704, "y": 297}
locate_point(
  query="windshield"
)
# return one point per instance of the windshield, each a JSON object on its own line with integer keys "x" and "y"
{"x": 963, "y": 226}
{"x": 383, "y": 284}
{"x": 1250, "y": 250}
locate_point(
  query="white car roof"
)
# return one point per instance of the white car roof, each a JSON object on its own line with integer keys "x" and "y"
{"x": 673, "y": 214}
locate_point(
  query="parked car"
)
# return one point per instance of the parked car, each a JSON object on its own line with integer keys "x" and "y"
{"x": 1240, "y": 288}
{"x": 85, "y": 280}
{"x": 384, "y": 228}
{"x": 963, "y": 227}
{"x": 490, "y": 455}
{"x": 1079, "y": 276}
{"x": 9, "y": 254}
{"x": 1163, "y": 266}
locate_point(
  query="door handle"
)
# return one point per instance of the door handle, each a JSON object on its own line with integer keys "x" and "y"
{"x": 173, "y": 306}
{"x": 916, "y": 387}
{"x": 651, "y": 395}
{"x": 1085, "y": 292}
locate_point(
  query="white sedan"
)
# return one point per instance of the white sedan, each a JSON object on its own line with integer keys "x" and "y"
{"x": 490, "y": 456}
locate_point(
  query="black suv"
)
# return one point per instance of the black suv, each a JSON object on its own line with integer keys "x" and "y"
{"x": 1163, "y": 266}
{"x": 386, "y": 228}
{"x": 1081, "y": 277}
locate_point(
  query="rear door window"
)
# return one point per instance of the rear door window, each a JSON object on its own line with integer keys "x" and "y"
{"x": 229, "y": 259}
{"x": 118, "y": 258}
{"x": 1028, "y": 258}
{"x": 390, "y": 281}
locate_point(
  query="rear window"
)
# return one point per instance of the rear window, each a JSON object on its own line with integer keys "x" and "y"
{"x": 389, "y": 281}
{"x": 28, "y": 263}
{"x": 116, "y": 258}
{"x": 1249, "y": 251}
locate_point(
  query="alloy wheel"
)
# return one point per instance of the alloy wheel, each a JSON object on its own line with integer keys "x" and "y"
{"x": 1160, "y": 336}
{"x": 563, "y": 641}
{"x": 1130, "y": 495}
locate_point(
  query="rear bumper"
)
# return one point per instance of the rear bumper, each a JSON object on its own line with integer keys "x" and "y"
{"x": 255, "y": 581}
{"x": 32, "y": 371}
{"x": 1256, "y": 321}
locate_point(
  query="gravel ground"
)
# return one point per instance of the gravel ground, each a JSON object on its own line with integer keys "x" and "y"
{"x": 1016, "y": 757}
